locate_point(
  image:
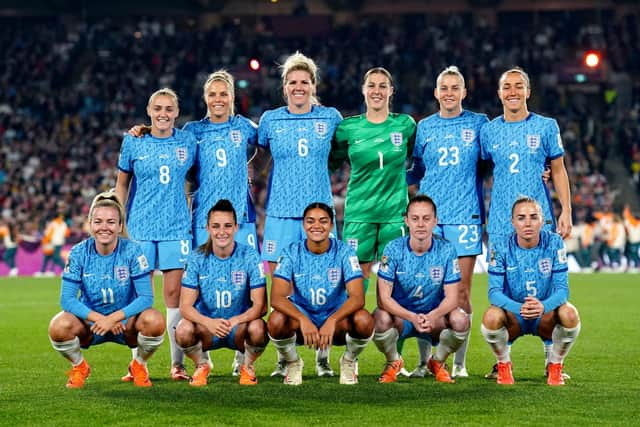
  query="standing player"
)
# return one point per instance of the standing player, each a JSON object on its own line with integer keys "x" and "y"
{"x": 318, "y": 298}
{"x": 376, "y": 144}
{"x": 418, "y": 293}
{"x": 520, "y": 144}
{"x": 112, "y": 275}
{"x": 298, "y": 136}
{"x": 445, "y": 165}
{"x": 221, "y": 160}
{"x": 528, "y": 291}
{"x": 10, "y": 239}
{"x": 223, "y": 298}
{"x": 55, "y": 236}
{"x": 152, "y": 178}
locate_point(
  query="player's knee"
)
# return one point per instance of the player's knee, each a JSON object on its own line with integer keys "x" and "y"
{"x": 383, "y": 321}
{"x": 277, "y": 325}
{"x": 150, "y": 323}
{"x": 363, "y": 324}
{"x": 494, "y": 318}
{"x": 61, "y": 326}
{"x": 257, "y": 333}
{"x": 185, "y": 333}
{"x": 459, "y": 320}
{"x": 568, "y": 315}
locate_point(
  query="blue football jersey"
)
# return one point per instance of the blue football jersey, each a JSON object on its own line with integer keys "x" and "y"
{"x": 300, "y": 146}
{"x": 447, "y": 150}
{"x": 106, "y": 282}
{"x": 419, "y": 280}
{"x": 157, "y": 205}
{"x": 541, "y": 272}
{"x": 519, "y": 151}
{"x": 221, "y": 166}
{"x": 224, "y": 284}
{"x": 318, "y": 280}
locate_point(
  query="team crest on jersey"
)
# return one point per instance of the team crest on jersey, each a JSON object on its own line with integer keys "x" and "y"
{"x": 333, "y": 274}
{"x": 236, "y": 137}
{"x": 237, "y": 278}
{"x": 533, "y": 142}
{"x": 270, "y": 246}
{"x": 544, "y": 265}
{"x": 396, "y": 138}
{"x": 181, "y": 155}
{"x": 121, "y": 273}
{"x": 353, "y": 243}
{"x": 436, "y": 273}
{"x": 467, "y": 136}
{"x": 320, "y": 128}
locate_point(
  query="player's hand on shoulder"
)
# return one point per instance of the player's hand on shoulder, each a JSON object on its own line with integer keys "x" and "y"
{"x": 139, "y": 130}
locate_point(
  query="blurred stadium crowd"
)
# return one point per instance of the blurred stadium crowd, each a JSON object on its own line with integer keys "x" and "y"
{"x": 68, "y": 91}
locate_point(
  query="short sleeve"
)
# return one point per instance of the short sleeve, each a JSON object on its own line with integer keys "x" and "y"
{"x": 125, "y": 161}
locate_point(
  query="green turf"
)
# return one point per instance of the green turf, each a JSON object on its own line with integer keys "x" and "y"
{"x": 603, "y": 390}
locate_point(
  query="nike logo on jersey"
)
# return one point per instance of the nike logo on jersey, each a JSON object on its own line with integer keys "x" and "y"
{"x": 430, "y": 139}
{"x": 88, "y": 275}
{"x": 496, "y": 146}
{"x": 280, "y": 130}
{"x": 298, "y": 275}
{"x": 358, "y": 141}
{"x": 203, "y": 277}
{"x": 143, "y": 157}
{"x": 512, "y": 268}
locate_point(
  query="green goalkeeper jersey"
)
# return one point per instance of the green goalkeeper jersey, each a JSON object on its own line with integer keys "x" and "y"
{"x": 377, "y": 152}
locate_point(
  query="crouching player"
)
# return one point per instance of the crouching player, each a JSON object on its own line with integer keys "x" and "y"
{"x": 113, "y": 278}
{"x": 318, "y": 298}
{"x": 223, "y": 298}
{"x": 528, "y": 292}
{"x": 418, "y": 291}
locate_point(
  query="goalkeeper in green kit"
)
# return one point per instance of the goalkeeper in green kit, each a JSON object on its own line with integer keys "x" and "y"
{"x": 377, "y": 144}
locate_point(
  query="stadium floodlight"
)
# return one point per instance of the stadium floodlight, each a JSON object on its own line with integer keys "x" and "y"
{"x": 254, "y": 64}
{"x": 592, "y": 59}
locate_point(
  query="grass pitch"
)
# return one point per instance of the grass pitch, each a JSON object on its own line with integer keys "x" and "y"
{"x": 604, "y": 388}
